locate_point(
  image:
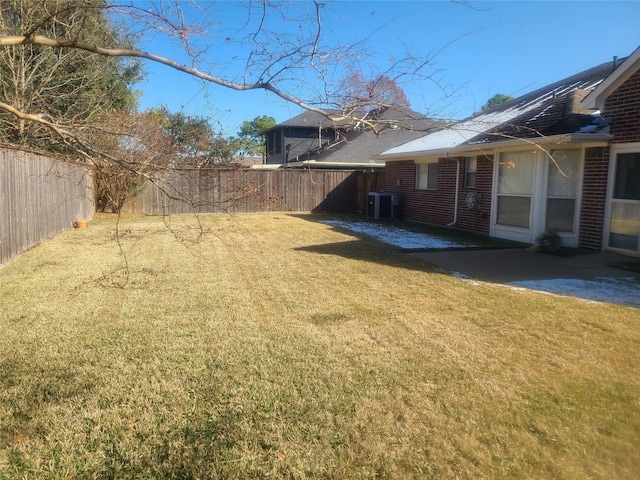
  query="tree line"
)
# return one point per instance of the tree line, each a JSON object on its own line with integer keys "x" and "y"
{"x": 81, "y": 106}
{"x": 68, "y": 71}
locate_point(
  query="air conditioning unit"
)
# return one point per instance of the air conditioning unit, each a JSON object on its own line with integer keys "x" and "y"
{"x": 381, "y": 205}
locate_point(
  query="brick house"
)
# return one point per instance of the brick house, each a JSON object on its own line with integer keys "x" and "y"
{"x": 564, "y": 157}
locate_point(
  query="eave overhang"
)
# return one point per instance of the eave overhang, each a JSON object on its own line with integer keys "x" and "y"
{"x": 313, "y": 164}
{"x": 466, "y": 150}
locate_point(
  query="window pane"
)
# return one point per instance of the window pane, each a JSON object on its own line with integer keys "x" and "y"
{"x": 625, "y": 226}
{"x": 471, "y": 166}
{"x": 560, "y": 213}
{"x": 514, "y": 211}
{"x": 470, "y": 180}
{"x": 421, "y": 175}
{"x": 433, "y": 175}
{"x": 516, "y": 173}
{"x": 427, "y": 175}
{"x": 627, "y": 184}
{"x": 278, "y": 142}
{"x": 564, "y": 168}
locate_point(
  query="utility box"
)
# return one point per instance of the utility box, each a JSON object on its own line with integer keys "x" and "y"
{"x": 382, "y": 205}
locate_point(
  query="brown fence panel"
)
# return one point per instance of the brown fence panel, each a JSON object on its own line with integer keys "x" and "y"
{"x": 39, "y": 197}
{"x": 246, "y": 191}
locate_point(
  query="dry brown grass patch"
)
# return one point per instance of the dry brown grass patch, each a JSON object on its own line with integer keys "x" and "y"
{"x": 279, "y": 346}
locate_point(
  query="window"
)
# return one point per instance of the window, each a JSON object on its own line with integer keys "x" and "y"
{"x": 470, "y": 171}
{"x": 624, "y": 229}
{"x": 627, "y": 186}
{"x": 274, "y": 142}
{"x": 562, "y": 189}
{"x": 427, "y": 175}
{"x": 515, "y": 185}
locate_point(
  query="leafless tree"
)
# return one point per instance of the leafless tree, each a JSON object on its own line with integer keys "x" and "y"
{"x": 139, "y": 149}
{"x": 286, "y": 52}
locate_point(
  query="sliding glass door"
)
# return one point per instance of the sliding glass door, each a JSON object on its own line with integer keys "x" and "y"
{"x": 624, "y": 225}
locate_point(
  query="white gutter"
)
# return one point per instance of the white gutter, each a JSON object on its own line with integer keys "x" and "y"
{"x": 317, "y": 165}
{"x": 266, "y": 166}
{"x": 342, "y": 165}
{"x": 455, "y": 203}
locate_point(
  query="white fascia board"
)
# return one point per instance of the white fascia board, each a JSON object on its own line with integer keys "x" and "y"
{"x": 412, "y": 155}
{"x": 594, "y": 140}
{"x": 595, "y": 100}
{"x": 266, "y": 166}
{"x": 334, "y": 165}
{"x": 591, "y": 139}
{"x": 454, "y": 137}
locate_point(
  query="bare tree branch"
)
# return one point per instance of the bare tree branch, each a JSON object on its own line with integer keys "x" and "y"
{"x": 121, "y": 52}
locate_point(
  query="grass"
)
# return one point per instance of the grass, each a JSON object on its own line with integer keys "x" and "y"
{"x": 276, "y": 346}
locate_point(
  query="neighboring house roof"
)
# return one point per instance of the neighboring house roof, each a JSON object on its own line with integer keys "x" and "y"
{"x": 358, "y": 146}
{"x": 549, "y": 111}
{"x": 314, "y": 120}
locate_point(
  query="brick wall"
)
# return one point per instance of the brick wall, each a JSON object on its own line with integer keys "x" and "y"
{"x": 594, "y": 195}
{"x": 400, "y": 177}
{"x": 623, "y": 107}
{"x": 477, "y": 220}
{"x": 437, "y": 206}
{"x": 428, "y": 206}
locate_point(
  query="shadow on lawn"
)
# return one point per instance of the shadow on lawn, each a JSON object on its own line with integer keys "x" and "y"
{"x": 370, "y": 250}
{"x": 459, "y": 239}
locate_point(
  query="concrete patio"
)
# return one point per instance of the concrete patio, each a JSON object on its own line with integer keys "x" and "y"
{"x": 513, "y": 265}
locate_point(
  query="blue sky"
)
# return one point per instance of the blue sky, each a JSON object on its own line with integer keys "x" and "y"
{"x": 485, "y": 47}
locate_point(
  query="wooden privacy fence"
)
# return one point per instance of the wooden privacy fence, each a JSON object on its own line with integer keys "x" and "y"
{"x": 39, "y": 197}
{"x": 248, "y": 191}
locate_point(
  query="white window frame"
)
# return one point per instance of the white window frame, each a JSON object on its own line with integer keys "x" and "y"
{"x": 469, "y": 161}
{"x": 576, "y": 197}
{"x": 613, "y": 155}
{"x": 430, "y": 183}
{"x": 538, "y": 200}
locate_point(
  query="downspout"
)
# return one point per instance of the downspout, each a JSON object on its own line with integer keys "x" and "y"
{"x": 455, "y": 203}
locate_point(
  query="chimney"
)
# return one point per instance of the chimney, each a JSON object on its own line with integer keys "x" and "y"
{"x": 615, "y": 62}
{"x": 574, "y": 102}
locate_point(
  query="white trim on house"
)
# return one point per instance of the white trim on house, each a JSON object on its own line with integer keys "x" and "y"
{"x": 313, "y": 164}
{"x": 615, "y": 150}
{"x": 538, "y": 197}
{"x": 596, "y": 98}
{"x": 598, "y": 139}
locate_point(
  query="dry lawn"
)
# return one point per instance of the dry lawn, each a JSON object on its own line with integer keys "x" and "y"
{"x": 279, "y": 347}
